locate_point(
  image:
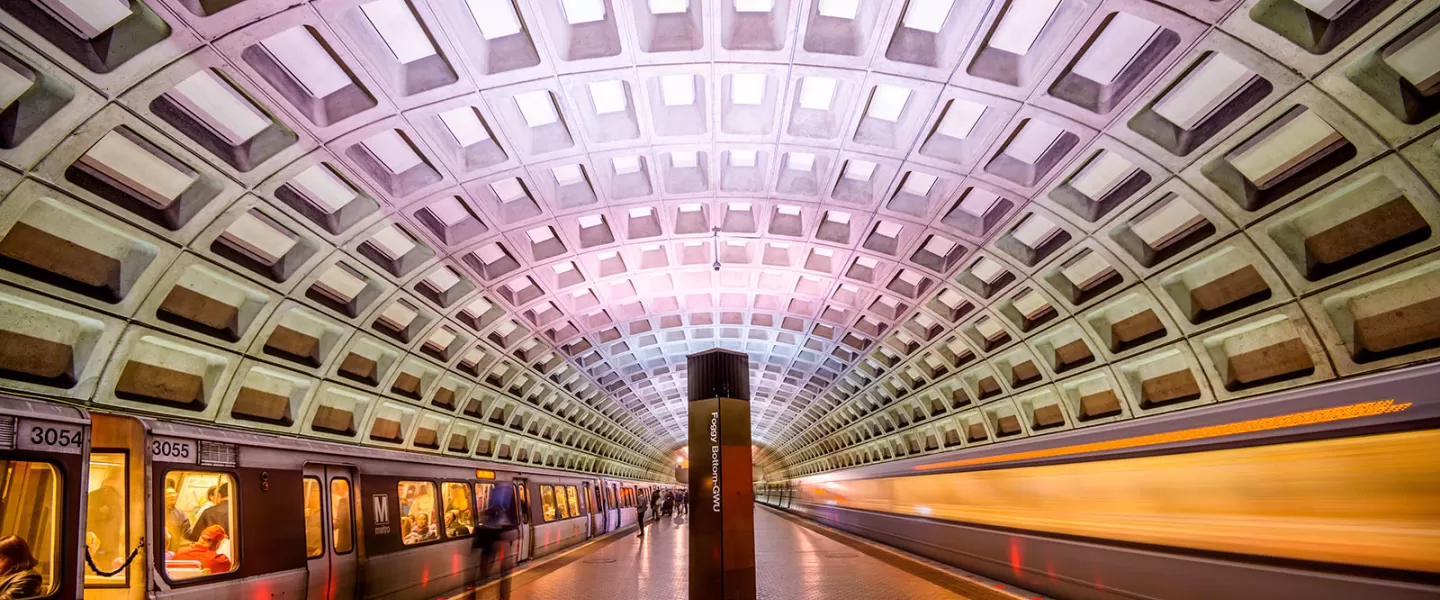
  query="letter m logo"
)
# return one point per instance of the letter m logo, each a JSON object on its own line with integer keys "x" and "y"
{"x": 382, "y": 509}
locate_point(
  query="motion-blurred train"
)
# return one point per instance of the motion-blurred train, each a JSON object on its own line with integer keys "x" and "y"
{"x": 222, "y": 514}
{"x": 1331, "y": 492}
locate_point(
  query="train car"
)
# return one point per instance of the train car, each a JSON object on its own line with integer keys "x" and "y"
{"x": 1324, "y": 493}
{"x": 133, "y": 507}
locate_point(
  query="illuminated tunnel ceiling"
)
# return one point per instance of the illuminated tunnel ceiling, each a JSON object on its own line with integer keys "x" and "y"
{"x": 1007, "y": 215}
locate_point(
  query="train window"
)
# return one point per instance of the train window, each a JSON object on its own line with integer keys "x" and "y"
{"x": 200, "y": 526}
{"x": 30, "y": 510}
{"x": 342, "y": 524}
{"x": 547, "y": 502}
{"x": 107, "y": 508}
{"x": 417, "y": 512}
{"x": 314, "y": 519}
{"x": 482, "y": 495}
{"x": 459, "y": 516}
{"x": 560, "y": 502}
{"x": 610, "y": 495}
{"x": 573, "y": 499}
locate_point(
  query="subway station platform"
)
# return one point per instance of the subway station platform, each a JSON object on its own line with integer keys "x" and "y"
{"x": 795, "y": 560}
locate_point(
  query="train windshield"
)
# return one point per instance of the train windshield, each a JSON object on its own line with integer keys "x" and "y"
{"x": 30, "y": 510}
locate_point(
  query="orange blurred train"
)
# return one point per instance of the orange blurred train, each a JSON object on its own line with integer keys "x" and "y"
{"x": 1329, "y": 492}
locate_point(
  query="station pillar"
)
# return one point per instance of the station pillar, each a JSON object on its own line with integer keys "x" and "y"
{"x": 722, "y": 517}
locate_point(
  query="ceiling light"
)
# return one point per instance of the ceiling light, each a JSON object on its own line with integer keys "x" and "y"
{"x": 1203, "y": 90}
{"x": 508, "y": 189}
{"x": 1034, "y": 139}
{"x": 568, "y": 174}
{"x": 1115, "y": 48}
{"x": 927, "y": 15}
{"x": 211, "y": 101}
{"x": 839, "y": 9}
{"x": 684, "y": 159}
{"x": 816, "y": 93}
{"x": 960, "y": 118}
{"x": 754, "y": 6}
{"x": 1022, "y": 24}
{"x": 322, "y": 188}
{"x": 677, "y": 90}
{"x": 393, "y": 151}
{"x": 859, "y": 170}
{"x": 887, "y": 102}
{"x": 496, "y": 18}
{"x": 449, "y": 211}
{"x": 608, "y": 96}
{"x": 309, "y": 63}
{"x": 1102, "y": 174}
{"x": 742, "y": 158}
{"x": 392, "y": 242}
{"x": 800, "y": 161}
{"x": 537, "y": 108}
{"x": 979, "y": 201}
{"x": 465, "y": 126}
{"x": 579, "y": 12}
{"x": 668, "y": 7}
{"x": 918, "y": 183}
{"x": 747, "y": 88}
{"x": 402, "y": 34}
{"x": 88, "y": 18}
{"x": 625, "y": 165}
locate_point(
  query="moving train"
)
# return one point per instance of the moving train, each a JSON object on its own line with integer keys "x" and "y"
{"x": 1330, "y": 492}
{"x": 177, "y": 510}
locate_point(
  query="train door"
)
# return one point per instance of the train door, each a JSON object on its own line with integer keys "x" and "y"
{"x": 115, "y": 509}
{"x": 527, "y": 534}
{"x": 330, "y": 531}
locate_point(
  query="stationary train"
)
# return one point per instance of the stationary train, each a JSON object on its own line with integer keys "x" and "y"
{"x": 183, "y": 511}
{"x": 1330, "y": 492}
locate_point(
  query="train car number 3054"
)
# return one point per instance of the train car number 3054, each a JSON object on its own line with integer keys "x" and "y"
{"x": 47, "y": 436}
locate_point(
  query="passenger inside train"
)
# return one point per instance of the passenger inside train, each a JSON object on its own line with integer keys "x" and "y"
{"x": 209, "y": 530}
{"x": 18, "y": 576}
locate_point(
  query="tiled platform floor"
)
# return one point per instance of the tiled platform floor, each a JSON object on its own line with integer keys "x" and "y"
{"x": 793, "y": 562}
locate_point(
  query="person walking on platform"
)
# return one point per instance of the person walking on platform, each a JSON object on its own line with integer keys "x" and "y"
{"x": 640, "y": 517}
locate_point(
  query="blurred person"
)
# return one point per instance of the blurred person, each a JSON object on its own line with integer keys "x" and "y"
{"x": 18, "y": 577}
{"x": 106, "y": 519}
{"x": 667, "y": 506}
{"x": 340, "y": 519}
{"x": 177, "y": 524}
{"x": 204, "y": 551}
{"x": 497, "y": 528}
{"x": 216, "y": 515}
{"x": 640, "y": 518}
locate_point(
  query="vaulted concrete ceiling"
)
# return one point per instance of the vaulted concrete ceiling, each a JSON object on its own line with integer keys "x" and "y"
{"x": 531, "y": 196}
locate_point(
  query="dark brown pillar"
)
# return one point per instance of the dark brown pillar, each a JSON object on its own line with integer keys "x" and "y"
{"x": 722, "y": 518}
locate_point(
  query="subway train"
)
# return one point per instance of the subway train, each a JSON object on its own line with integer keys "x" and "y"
{"x": 1331, "y": 492}
{"x": 120, "y": 506}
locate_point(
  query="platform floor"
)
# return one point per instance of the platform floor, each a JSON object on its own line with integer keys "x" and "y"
{"x": 794, "y": 561}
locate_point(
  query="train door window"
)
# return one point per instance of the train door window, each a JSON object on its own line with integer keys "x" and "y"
{"x": 342, "y": 526}
{"x": 200, "y": 525}
{"x": 482, "y": 496}
{"x": 610, "y": 495}
{"x": 459, "y": 515}
{"x": 107, "y": 508}
{"x": 417, "y": 512}
{"x": 560, "y": 505}
{"x": 314, "y": 519}
{"x": 524, "y": 495}
{"x": 30, "y": 510}
{"x": 573, "y": 499}
{"x": 547, "y": 502}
